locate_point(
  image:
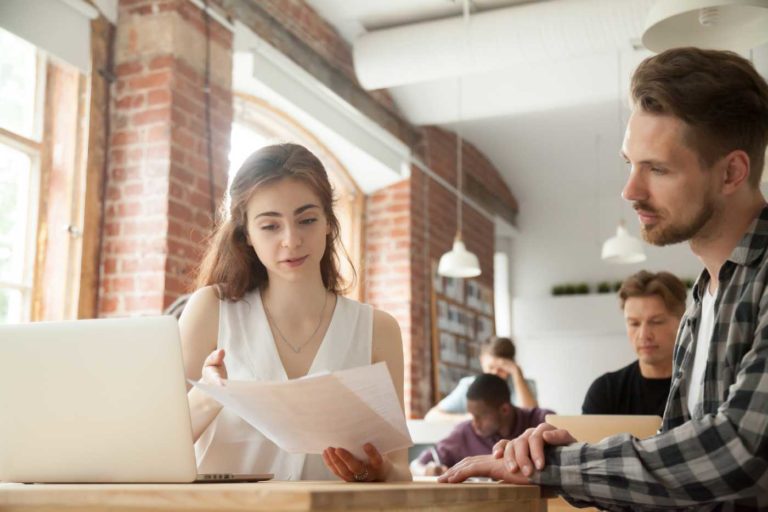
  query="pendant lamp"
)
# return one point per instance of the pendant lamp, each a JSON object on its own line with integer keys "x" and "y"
{"x": 715, "y": 24}
{"x": 459, "y": 262}
{"x": 622, "y": 248}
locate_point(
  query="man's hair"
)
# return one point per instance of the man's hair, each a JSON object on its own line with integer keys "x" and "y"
{"x": 664, "y": 285}
{"x": 489, "y": 388}
{"x": 499, "y": 347}
{"x": 718, "y": 94}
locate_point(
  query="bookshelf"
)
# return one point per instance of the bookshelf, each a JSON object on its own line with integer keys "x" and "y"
{"x": 462, "y": 320}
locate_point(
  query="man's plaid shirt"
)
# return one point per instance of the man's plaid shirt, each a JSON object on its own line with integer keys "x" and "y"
{"x": 716, "y": 456}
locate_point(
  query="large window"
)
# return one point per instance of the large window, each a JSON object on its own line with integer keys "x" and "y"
{"x": 20, "y": 115}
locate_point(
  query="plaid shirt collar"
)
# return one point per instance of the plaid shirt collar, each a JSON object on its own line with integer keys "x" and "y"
{"x": 749, "y": 251}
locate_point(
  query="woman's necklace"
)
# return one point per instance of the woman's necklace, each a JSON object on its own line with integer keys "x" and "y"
{"x": 296, "y": 348}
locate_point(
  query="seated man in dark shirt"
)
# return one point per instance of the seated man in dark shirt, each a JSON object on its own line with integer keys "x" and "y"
{"x": 653, "y": 305}
{"x": 493, "y": 418}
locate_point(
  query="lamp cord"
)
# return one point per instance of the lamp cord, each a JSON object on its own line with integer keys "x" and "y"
{"x": 459, "y": 115}
{"x": 618, "y": 114}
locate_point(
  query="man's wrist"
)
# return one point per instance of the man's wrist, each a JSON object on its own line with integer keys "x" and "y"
{"x": 561, "y": 467}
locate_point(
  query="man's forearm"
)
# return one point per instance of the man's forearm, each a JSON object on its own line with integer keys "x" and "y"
{"x": 663, "y": 471}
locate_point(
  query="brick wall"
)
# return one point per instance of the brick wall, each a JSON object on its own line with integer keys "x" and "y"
{"x": 158, "y": 204}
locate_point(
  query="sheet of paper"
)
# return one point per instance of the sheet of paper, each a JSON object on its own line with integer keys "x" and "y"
{"x": 343, "y": 409}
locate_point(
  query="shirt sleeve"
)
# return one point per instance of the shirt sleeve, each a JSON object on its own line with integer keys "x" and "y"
{"x": 451, "y": 448}
{"x": 456, "y": 401}
{"x": 597, "y": 400}
{"x": 425, "y": 457}
{"x": 539, "y": 416}
{"x": 717, "y": 458}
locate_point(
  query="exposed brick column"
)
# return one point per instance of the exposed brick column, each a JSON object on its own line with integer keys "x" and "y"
{"x": 158, "y": 201}
{"x": 388, "y": 260}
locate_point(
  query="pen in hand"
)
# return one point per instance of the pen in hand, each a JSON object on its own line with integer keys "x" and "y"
{"x": 435, "y": 456}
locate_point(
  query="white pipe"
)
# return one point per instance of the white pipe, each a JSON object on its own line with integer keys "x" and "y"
{"x": 501, "y": 38}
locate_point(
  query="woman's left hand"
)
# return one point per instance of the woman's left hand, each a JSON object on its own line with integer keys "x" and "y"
{"x": 351, "y": 469}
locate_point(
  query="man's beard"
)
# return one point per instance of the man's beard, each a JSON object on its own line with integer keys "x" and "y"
{"x": 675, "y": 233}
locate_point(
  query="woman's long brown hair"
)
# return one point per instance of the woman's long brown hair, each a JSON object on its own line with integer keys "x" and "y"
{"x": 230, "y": 264}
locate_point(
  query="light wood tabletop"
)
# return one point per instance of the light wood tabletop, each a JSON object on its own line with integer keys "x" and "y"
{"x": 272, "y": 496}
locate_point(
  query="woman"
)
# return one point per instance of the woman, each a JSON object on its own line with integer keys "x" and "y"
{"x": 269, "y": 307}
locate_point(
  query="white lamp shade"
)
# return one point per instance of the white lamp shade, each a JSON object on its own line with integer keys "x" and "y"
{"x": 715, "y": 24}
{"x": 623, "y": 248}
{"x": 458, "y": 262}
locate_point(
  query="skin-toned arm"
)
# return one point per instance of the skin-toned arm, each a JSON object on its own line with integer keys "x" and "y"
{"x": 198, "y": 326}
{"x": 522, "y": 390}
{"x": 387, "y": 347}
{"x": 511, "y": 461}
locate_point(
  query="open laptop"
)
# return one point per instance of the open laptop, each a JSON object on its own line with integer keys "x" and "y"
{"x": 96, "y": 401}
{"x": 591, "y": 428}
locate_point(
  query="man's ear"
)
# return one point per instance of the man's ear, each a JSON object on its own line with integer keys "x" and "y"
{"x": 736, "y": 172}
{"x": 505, "y": 408}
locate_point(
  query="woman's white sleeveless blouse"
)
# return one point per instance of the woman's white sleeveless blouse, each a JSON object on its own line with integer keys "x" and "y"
{"x": 229, "y": 444}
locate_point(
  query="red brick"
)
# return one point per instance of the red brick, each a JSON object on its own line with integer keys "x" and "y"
{"x": 108, "y": 305}
{"x": 124, "y": 138}
{"x": 154, "y": 115}
{"x": 161, "y": 61}
{"x": 128, "y": 68}
{"x": 150, "y": 81}
{"x": 110, "y": 265}
{"x": 133, "y": 101}
{"x": 145, "y": 302}
{"x": 158, "y": 97}
{"x": 129, "y": 209}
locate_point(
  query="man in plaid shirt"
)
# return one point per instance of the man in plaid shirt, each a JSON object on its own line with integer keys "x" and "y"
{"x": 696, "y": 145}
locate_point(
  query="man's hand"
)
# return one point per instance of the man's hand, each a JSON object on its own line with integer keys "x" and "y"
{"x": 481, "y": 465}
{"x": 527, "y": 451}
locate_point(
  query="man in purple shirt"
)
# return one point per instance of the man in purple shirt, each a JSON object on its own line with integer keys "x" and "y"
{"x": 493, "y": 418}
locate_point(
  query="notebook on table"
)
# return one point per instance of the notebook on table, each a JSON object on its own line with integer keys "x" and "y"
{"x": 96, "y": 401}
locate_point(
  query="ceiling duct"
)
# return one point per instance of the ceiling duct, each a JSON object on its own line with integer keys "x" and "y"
{"x": 502, "y": 38}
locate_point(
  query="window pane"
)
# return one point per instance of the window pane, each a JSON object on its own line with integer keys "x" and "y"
{"x": 15, "y": 168}
{"x": 10, "y": 306}
{"x": 18, "y": 72}
{"x": 244, "y": 141}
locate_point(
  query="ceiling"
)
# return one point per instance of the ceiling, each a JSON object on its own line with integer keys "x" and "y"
{"x": 515, "y": 63}
{"x": 550, "y": 56}
{"x": 353, "y": 19}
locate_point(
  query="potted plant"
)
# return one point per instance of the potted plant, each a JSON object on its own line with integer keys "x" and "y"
{"x": 603, "y": 287}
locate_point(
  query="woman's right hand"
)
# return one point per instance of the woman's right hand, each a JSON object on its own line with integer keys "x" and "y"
{"x": 214, "y": 369}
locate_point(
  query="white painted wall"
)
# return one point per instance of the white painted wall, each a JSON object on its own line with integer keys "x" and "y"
{"x": 564, "y": 343}
{"x": 563, "y": 166}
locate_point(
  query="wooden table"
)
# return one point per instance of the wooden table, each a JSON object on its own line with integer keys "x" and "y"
{"x": 272, "y": 496}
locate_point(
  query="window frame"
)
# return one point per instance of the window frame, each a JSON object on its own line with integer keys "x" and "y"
{"x": 33, "y": 148}
{"x": 26, "y": 285}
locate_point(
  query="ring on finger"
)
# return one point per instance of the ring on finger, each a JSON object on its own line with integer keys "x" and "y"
{"x": 362, "y": 476}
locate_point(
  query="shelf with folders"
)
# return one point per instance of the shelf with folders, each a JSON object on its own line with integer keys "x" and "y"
{"x": 462, "y": 320}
